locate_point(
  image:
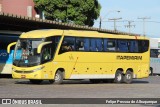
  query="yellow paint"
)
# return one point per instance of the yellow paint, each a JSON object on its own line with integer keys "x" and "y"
{"x": 84, "y": 63}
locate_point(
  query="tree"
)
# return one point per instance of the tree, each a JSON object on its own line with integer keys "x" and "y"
{"x": 81, "y": 12}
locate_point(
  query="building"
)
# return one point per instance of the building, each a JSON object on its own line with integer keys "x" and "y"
{"x": 18, "y": 7}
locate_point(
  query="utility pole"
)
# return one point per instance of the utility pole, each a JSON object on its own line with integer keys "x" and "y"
{"x": 100, "y": 23}
{"x": 101, "y": 19}
{"x": 129, "y": 26}
{"x": 144, "y": 18}
{"x": 115, "y": 19}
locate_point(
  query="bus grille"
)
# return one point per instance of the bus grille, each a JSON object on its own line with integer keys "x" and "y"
{"x": 24, "y": 72}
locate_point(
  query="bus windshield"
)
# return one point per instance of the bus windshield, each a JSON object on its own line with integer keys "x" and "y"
{"x": 26, "y": 52}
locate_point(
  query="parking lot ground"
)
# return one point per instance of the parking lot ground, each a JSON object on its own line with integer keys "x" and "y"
{"x": 140, "y": 88}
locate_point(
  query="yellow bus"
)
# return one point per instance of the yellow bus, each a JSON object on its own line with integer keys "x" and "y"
{"x": 57, "y": 55}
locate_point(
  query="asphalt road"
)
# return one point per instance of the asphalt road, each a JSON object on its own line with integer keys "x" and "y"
{"x": 140, "y": 88}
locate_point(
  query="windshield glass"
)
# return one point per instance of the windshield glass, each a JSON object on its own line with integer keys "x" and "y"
{"x": 155, "y": 53}
{"x": 26, "y": 52}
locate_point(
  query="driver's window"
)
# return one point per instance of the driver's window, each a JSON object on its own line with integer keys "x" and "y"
{"x": 46, "y": 53}
{"x": 68, "y": 44}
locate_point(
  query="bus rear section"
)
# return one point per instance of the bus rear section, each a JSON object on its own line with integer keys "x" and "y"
{"x": 56, "y": 55}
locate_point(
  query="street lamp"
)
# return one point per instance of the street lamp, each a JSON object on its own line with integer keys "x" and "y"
{"x": 101, "y": 19}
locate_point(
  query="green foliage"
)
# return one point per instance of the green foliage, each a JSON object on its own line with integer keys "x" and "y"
{"x": 81, "y": 12}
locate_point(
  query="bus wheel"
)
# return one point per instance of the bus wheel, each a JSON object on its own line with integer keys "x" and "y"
{"x": 151, "y": 71}
{"x": 118, "y": 77}
{"x": 35, "y": 81}
{"x": 128, "y": 77}
{"x": 95, "y": 80}
{"x": 58, "y": 77}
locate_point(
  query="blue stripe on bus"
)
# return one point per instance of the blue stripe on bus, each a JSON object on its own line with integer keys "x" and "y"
{"x": 5, "y": 57}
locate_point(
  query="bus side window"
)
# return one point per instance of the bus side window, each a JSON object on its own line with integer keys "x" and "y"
{"x": 55, "y": 40}
{"x": 143, "y": 45}
{"x": 93, "y": 45}
{"x": 133, "y": 46}
{"x": 79, "y": 44}
{"x": 96, "y": 44}
{"x": 46, "y": 53}
{"x": 153, "y": 53}
{"x": 68, "y": 44}
{"x": 99, "y": 44}
{"x": 86, "y": 44}
{"x": 105, "y": 44}
{"x": 111, "y": 45}
{"x": 122, "y": 45}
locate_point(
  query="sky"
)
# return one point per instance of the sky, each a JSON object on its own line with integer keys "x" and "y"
{"x": 131, "y": 10}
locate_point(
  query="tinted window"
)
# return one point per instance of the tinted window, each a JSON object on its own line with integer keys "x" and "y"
{"x": 86, "y": 44}
{"x": 155, "y": 53}
{"x": 79, "y": 44}
{"x": 49, "y": 50}
{"x": 96, "y": 44}
{"x": 67, "y": 45}
{"x": 46, "y": 53}
{"x": 123, "y": 46}
{"x": 106, "y": 45}
{"x": 99, "y": 44}
{"x": 143, "y": 45}
{"x": 133, "y": 47}
{"x": 109, "y": 45}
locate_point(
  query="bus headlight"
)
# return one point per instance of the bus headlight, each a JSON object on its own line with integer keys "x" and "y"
{"x": 40, "y": 68}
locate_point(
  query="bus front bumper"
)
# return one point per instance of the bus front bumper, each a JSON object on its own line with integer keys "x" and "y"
{"x": 24, "y": 73}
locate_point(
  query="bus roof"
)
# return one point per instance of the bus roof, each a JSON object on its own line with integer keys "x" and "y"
{"x": 79, "y": 33}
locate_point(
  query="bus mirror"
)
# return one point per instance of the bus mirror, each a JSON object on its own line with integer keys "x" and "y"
{"x": 41, "y": 45}
{"x": 9, "y": 46}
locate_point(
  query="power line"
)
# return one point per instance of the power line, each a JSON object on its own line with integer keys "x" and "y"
{"x": 125, "y": 20}
{"x": 101, "y": 19}
{"x": 129, "y": 26}
{"x": 115, "y": 19}
{"x": 149, "y": 21}
{"x": 144, "y": 19}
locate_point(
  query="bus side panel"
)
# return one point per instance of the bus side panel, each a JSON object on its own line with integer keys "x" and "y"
{"x": 84, "y": 65}
{"x": 92, "y": 71}
{"x": 155, "y": 65}
{"x": 6, "y": 62}
{"x": 5, "y": 58}
{"x": 144, "y": 70}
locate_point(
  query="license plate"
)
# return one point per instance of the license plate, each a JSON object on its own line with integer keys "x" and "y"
{"x": 23, "y": 76}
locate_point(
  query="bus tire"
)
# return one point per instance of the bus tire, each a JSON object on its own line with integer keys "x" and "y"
{"x": 128, "y": 77}
{"x": 58, "y": 77}
{"x": 151, "y": 71}
{"x": 35, "y": 81}
{"x": 118, "y": 77}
